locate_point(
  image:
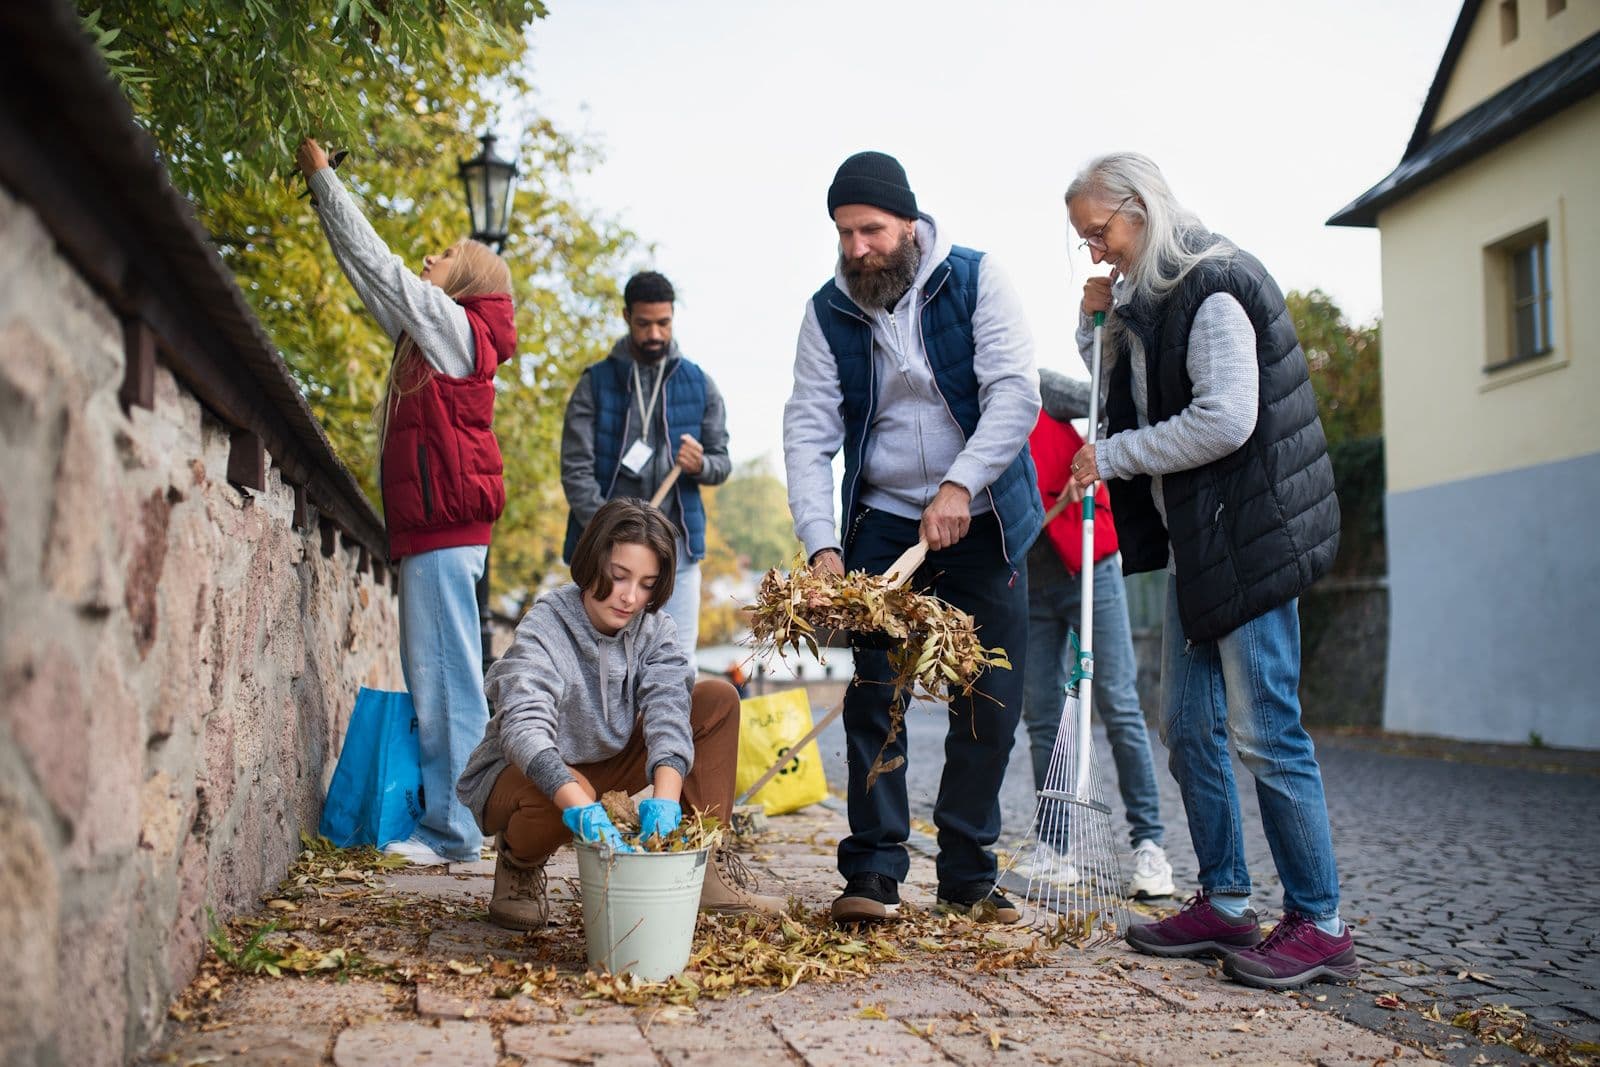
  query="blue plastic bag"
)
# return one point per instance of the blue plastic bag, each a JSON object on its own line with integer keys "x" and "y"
{"x": 376, "y": 793}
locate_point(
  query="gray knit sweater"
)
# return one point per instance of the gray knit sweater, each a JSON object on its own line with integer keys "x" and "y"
{"x": 566, "y": 694}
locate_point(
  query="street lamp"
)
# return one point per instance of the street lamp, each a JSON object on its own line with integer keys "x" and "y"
{"x": 488, "y": 182}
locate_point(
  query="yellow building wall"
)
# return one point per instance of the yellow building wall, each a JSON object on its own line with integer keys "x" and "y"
{"x": 1486, "y": 66}
{"x": 1444, "y": 417}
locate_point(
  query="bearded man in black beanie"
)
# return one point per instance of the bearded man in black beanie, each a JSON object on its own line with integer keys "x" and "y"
{"x": 916, "y": 360}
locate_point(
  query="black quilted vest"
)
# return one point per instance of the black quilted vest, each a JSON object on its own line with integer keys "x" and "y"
{"x": 1254, "y": 529}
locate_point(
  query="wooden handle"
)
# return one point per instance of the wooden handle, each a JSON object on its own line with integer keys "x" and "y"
{"x": 901, "y": 570}
{"x": 793, "y": 752}
{"x": 666, "y": 486}
{"x": 1061, "y": 504}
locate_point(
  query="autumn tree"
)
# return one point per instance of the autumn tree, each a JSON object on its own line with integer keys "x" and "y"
{"x": 1345, "y": 373}
{"x": 1344, "y": 366}
{"x": 753, "y": 515}
{"x": 227, "y": 88}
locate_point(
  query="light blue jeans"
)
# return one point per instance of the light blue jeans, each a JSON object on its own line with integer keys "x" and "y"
{"x": 441, "y": 653}
{"x": 683, "y": 606}
{"x": 1245, "y": 686}
{"x": 1053, "y": 598}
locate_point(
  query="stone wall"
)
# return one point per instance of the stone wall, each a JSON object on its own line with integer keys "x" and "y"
{"x": 177, "y": 667}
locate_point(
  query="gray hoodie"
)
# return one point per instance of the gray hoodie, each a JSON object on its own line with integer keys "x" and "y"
{"x": 565, "y": 694}
{"x": 916, "y": 444}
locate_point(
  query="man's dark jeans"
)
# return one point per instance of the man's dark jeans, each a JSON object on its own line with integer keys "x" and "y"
{"x": 974, "y": 576}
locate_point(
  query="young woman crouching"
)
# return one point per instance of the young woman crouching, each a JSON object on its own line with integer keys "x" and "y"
{"x": 593, "y": 695}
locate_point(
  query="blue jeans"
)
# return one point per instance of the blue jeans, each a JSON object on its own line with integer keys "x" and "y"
{"x": 1245, "y": 686}
{"x": 973, "y": 576}
{"x": 1053, "y": 599}
{"x": 441, "y": 653}
{"x": 683, "y": 606}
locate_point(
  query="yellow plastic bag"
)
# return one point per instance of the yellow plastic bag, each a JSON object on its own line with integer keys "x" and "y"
{"x": 768, "y": 725}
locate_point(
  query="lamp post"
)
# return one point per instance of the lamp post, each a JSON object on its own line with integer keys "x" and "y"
{"x": 489, "y": 182}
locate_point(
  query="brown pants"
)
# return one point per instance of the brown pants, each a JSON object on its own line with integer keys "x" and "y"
{"x": 531, "y": 821}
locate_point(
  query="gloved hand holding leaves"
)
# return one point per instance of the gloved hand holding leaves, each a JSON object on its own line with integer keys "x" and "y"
{"x": 591, "y": 823}
{"x": 658, "y": 817}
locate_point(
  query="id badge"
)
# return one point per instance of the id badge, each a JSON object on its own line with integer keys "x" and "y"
{"x": 635, "y": 459}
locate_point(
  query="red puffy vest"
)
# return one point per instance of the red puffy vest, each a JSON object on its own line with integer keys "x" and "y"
{"x": 441, "y": 472}
{"x": 1053, "y": 445}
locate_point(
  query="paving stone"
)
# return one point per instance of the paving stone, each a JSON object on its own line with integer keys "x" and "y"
{"x": 1004, "y": 995}
{"x": 248, "y": 1046}
{"x": 416, "y": 1044}
{"x": 1088, "y": 993}
{"x": 1021, "y": 1042}
{"x": 854, "y": 1042}
{"x": 435, "y": 1003}
{"x": 898, "y": 992}
{"x": 462, "y": 940}
{"x": 311, "y": 1003}
{"x": 600, "y": 1043}
{"x": 733, "y": 1055}
{"x": 477, "y": 867}
{"x": 1207, "y": 991}
{"x": 440, "y": 886}
{"x": 1281, "y": 1038}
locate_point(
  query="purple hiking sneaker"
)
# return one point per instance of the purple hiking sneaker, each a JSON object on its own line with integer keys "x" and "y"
{"x": 1197, "y": 930}
{"x": 1296, "y": 952}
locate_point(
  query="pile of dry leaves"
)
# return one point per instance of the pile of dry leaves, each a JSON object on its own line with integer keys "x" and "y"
{"x": 934, "y": 648}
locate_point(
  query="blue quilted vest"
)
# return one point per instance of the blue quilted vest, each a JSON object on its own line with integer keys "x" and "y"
{"x": 948, "y": 302}
{"x": 683, "y": 408}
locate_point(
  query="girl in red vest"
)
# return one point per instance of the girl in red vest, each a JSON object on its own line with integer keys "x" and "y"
{"x": 440, "y": 473}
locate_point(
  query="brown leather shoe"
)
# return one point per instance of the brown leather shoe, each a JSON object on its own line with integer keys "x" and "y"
{"x": 731, "y": 888}
{"x": 519, "y": 901}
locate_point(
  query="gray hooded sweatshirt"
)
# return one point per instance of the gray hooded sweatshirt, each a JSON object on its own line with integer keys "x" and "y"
{"x": 566, "y": 694}
{"x": 916, "y": 444}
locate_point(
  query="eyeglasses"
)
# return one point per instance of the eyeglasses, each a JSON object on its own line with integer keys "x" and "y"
{"x": 1097, "y": 240}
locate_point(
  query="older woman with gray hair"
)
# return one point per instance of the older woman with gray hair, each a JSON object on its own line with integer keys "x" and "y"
{"x": 1219, "y": 472}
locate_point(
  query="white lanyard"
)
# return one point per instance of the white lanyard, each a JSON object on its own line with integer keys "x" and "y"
{"x": 655, "y": 394}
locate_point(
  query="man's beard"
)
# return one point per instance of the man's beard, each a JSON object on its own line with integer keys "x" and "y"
{"x": 650, "y": 351}
{"x": 880, "y": 282}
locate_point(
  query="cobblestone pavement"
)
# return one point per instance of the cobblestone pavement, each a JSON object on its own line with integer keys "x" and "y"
{"x": 438, "y": 985}
{"x": 1468, "y": 884}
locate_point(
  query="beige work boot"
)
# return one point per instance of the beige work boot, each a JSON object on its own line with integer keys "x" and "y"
{"x": 519, "y": 901}
{"x": 731, "y": 888}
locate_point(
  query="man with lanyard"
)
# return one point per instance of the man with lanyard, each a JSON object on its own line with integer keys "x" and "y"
{"x": 635, "y": 417}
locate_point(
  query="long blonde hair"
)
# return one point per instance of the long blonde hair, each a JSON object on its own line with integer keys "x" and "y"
{"x": 475, "y": 270}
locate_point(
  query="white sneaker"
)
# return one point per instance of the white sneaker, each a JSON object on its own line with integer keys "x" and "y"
{"x": 1152, "y": 874}
{"x": 416, "y": 853}
{"x": 1043, "y": 865}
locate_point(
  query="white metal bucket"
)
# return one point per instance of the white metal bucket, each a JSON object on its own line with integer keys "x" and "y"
{"x": 639, "y": 908}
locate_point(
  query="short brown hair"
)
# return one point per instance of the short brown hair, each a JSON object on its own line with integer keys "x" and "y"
{"x": 625, "y": 521}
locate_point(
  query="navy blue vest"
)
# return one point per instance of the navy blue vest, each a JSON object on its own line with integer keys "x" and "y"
{"x": 951, "y": 296}
{"x": 683, "y": 408}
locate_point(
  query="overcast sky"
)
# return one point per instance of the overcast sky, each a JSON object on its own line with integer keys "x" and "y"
{"x": 722, "y": 125}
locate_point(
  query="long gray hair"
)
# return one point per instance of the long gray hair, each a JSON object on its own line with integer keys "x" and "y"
{"x": 1168, "y": 246}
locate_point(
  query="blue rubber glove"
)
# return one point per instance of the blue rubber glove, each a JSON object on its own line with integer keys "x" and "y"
{"x": 658, "y": 817}
{"x": 591, "y": 823}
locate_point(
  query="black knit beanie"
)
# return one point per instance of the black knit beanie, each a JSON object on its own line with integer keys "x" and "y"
{"x": 876, "y": 179}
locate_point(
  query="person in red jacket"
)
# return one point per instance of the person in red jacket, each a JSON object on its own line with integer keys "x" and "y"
{"x": 440, "y": 474}
{"x": 1054, "y": 566}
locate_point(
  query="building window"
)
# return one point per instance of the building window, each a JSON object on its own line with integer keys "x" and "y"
{"x": 1521, "y": 287}
{"x": 1553, "y": 8}
{"x": 1508, "y": 21}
